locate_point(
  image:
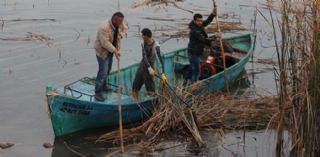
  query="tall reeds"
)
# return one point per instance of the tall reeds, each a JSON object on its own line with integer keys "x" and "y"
{"x": 299, "y": 67}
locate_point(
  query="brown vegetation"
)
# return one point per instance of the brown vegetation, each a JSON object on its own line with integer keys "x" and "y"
{"x": 299, "y": 67}
{"x": 211, "y": 112}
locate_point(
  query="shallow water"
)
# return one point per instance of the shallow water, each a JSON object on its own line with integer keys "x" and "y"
{"x": 26, "y": 67}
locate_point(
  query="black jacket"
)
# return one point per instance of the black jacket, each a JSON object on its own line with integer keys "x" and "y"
{"x": 198, "y": 38}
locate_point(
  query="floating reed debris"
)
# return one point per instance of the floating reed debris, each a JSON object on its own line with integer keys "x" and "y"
{"x": 47, "y": 145}
{"x": 30, "y": 36}
{"x": 225, "y": 27}
{"x": 182, "y": 31}
{"x": 160, "y": 19}
{"x": 158, "y": 3}
{"x": 212, "y": 111}
{"x": 266, "y": 61}
{"x": 5, "y": 145}
{"x": 28, "y": 20}
{"x": 168, "y": 115}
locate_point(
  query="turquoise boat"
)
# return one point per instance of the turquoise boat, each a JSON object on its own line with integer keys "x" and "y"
{"x": 73, "y": 108}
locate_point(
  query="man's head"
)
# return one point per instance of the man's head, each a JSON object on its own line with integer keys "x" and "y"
{"x": 117, "y": 19}
{"x": 146, "y": 34}
{"x": 197, "y": 19}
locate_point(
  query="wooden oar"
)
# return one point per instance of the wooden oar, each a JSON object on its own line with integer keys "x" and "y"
{"x": 226, "y": 84}
{"x": 119, "y": 108}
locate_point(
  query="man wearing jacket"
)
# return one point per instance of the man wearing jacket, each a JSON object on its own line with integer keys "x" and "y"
{"x": 107, "y": 45}
{"x": 146, "y": 72}
{"x": 198, "y": 38}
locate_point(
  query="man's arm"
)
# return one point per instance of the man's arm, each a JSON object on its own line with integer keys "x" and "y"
{"x": 104, "y": 38}
{"x": 158, "y": 55}
{"x": 210, "y": 17}
{"x": 198, "y": 36}
{"x": 146, "y": 62}
{"x": 208, "y": 20}
{"x": 163, "y": 75}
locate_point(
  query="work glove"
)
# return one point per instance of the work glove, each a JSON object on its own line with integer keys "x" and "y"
{"x": 164, "y": 79}
{"x": 151, "y": 71}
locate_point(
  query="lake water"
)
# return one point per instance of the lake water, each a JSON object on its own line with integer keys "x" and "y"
{"x": 27, "y": 66}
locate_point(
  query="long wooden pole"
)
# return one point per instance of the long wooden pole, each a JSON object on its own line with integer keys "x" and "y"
{"x": 119, "y": 108}
{"x": 226, "y": 84}
{"x": 120, "y": 99}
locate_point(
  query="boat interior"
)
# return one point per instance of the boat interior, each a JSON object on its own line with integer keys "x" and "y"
{"x": 176, "y": 68}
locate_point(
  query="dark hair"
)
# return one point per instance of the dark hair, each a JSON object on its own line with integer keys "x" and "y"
{"x": 118, "y": 14}
{"x": 147, "y": 32}
{"x": 196, "y": 16}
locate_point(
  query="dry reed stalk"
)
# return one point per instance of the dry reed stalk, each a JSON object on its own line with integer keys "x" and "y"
{"x": 282, "y": 56}
{"x": 29, "y": 37}
{"x": 299, "y": 84}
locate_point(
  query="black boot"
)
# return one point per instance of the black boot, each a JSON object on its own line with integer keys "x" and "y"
{"x": 99, "y": 97}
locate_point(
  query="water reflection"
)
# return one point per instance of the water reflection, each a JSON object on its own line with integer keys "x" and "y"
{"x": 240, "y": 84}
{"x": 80, "y": 144}
{"x": 232, "y": 143}
{"x": 83, "y": 144}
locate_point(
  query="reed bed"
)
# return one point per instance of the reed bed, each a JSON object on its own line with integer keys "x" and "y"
{"x": 298, "y": 54}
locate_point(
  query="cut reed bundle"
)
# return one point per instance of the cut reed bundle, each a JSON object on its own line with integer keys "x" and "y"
{"x": 213, "y": 111}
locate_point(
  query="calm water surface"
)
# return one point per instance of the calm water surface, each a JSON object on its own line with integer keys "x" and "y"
{"x": 26, "y": 67}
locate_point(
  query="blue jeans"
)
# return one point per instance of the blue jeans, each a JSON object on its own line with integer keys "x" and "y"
{"x": 104, "y": 70}
{"x": 194, "y": 70}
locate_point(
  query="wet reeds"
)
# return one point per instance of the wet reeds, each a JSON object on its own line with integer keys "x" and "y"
{"x": 212, "y": 112}
{"x": 298, "y": 54}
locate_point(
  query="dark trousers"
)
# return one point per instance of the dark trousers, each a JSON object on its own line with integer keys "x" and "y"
{"x": 103, "y": 72}
{"x": 143, "y": 77}
{"x": 194, "y": 69}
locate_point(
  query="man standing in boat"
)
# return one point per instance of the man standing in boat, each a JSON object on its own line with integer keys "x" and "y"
{"x": 145, "y": 72}
{"x": 107, "y": 45}
{"x": 198, "y": 38}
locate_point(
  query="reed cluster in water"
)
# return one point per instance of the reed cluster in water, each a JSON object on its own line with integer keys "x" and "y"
{"x": 298, "y": 53}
